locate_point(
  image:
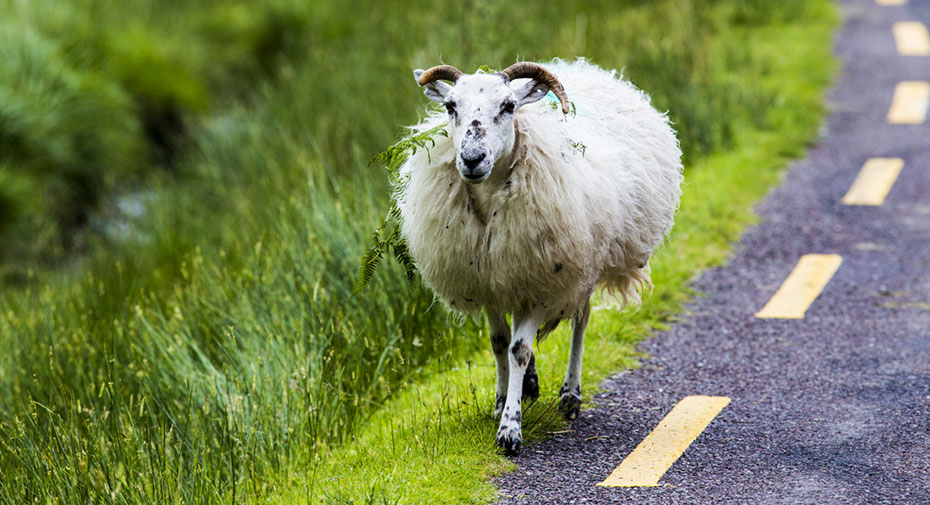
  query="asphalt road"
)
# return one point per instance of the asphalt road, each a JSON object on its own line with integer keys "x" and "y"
{"x": 833, "y": 408}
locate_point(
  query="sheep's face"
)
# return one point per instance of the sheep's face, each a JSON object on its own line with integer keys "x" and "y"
{"x": 481, "y": 109}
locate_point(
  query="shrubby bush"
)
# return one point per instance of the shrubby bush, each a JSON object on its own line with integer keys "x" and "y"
{"x": 66, "y": 137}
{"x": 97, "y": 96}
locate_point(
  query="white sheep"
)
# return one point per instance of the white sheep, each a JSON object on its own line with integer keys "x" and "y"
{"x": 528, "y": 207}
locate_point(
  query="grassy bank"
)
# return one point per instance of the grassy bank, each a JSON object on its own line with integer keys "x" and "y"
{"x": 214, "y": 354}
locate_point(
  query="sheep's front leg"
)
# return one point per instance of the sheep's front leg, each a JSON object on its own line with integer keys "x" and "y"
{"x": 570, "y": 392}
{"x": 509, "y": 435}
{"x": 500, "y": 342}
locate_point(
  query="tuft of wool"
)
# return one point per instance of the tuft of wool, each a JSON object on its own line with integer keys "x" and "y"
{"x": 588, "y": 198}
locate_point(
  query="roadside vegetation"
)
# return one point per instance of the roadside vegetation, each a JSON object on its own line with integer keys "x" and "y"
{"x": 182, "y": 329}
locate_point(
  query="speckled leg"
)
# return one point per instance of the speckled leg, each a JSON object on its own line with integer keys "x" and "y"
{"x": 531, "y": 381}
{"x": 509, "y": 434}
{"x": 500, "y": 341}
{"x": 570, "y": 392}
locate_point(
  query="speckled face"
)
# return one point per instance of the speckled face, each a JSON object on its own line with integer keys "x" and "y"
{"x": 481, "y": 108}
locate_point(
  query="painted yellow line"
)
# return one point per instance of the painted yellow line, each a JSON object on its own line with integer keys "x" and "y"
{"x": 891, "y": 2}
{"x": 874, "y": 181}
{"x": 909, "y": 105}
{"x": 802, "y": 287}
{"x": 912, "y": 38}
{"x": 661, "y": 448}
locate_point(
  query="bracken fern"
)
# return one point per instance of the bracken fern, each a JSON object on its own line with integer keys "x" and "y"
{"x": 387, "y": 236}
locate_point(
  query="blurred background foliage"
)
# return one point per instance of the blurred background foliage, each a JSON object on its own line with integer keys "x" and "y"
{"x": 184, "y": 193}
{"x": 96, "y": 96}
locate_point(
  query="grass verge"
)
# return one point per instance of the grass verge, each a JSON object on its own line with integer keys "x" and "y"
{"x": 434, "y": 442}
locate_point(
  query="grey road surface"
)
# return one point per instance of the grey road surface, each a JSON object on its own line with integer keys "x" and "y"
{"x": 830, "y": 409}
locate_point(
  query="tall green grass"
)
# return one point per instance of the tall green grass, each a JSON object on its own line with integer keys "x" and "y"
{"x": 215, "y": 345}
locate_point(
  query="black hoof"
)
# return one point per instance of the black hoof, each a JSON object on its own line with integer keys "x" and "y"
{"x": 510, "y": 441}
{"x": 570, "y": 404}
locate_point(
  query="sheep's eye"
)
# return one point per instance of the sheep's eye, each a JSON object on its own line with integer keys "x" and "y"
{"x": 507, "y": 108}
{"x": 450, "y": 106}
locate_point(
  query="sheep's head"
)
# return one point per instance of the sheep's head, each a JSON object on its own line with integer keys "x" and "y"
{"x": 481, "y": 109}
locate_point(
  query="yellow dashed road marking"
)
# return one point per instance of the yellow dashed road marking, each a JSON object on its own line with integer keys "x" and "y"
{"x": 912, "y": 38}
{"x": 874, "y": 181}
{"x": 802, "y": 287}
{"x": 891, "y": 2}
{"x": 661, "y": 448}
{"x": 909, "y": 105}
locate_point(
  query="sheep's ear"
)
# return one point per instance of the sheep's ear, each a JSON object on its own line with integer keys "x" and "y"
{"x": 532, "y": 91}
{"x": 437, "y": 91}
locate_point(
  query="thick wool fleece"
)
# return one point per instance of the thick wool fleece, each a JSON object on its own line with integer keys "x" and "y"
{"x": 588, "y": 198}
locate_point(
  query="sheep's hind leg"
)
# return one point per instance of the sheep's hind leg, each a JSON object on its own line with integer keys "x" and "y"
{"x": 570, "y": 392}
{"x": 500, "y": 341}
{"x": 509, "y": 434}
{"x": 531, "y": 381}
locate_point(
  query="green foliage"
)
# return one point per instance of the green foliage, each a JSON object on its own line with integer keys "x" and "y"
{"x": 268, "y": 34}
{"x": 141, "y": 59}
{"x": 95, "y": 97}
{"x": 67, "y": 135}
{"x": 394, "y": 156}
{"x": 16, "y": 194}
{"x": 387, "y": 237}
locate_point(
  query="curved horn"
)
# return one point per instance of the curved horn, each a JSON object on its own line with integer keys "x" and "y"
{"x": 444, "y": 72}
{"x": 539, "y": 73}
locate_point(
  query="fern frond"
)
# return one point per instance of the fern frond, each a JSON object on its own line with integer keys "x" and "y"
{"x": 387, "y": 236}
{"x": 402, "y": 255}
{"x": 369, "y": 261}
{"x": 393, "y": 214}
{"x": 394, "y": 156}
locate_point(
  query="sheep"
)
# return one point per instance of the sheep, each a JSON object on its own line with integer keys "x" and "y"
{"x": 531, "y": 205}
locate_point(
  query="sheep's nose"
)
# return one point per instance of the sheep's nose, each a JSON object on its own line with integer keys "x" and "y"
{"x": 471, "y": 163}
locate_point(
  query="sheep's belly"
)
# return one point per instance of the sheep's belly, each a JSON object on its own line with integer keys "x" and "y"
{"x": 503, "y": 269}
